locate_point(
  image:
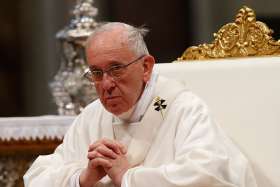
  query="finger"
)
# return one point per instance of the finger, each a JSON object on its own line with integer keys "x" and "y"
{"x": 111, "y": 144}
{"x": 102, "y": 152}
{"x": 94, "y": 146}
{"x": 93, "y": 154}
{"x": 97, "y": 143}
{"x": 123, "y": 148}
{"x": 114, "y": 145}
{"x": 105, "y": 151}
{"x": 100, "y": 162}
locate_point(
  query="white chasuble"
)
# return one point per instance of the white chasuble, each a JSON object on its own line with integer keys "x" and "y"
{"x": 175, "y": 144}
{"x": 139, "y": 136}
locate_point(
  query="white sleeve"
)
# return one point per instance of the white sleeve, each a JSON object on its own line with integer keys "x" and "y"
{"x": 75, "y": 179}
{"x": 203, "y": 157}
{"x": 125, "y": 180}
{"x": 56, "y": 169}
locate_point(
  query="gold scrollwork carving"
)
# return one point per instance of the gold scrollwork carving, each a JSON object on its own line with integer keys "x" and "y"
{"x": 244, "y": 37}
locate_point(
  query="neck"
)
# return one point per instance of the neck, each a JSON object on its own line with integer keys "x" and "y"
{"x": 136, "y": 112}
{"x": 125, "y": 116}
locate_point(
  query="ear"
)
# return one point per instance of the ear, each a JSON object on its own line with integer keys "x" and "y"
{"x": 148, "y": 65}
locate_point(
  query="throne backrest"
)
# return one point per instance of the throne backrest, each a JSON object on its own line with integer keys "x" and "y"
{"x": 243, "y": 38}
{"x": 242, "y": 93}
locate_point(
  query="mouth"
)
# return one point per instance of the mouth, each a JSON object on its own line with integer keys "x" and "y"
{"x": 112, "y": 98}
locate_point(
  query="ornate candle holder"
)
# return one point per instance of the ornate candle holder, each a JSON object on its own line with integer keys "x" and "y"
{"x": 70, "y": 90}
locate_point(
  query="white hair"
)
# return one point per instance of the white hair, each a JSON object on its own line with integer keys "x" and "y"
{"x": 134, "y": 35}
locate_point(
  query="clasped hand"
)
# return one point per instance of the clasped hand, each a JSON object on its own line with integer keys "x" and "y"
{"x": 106, "y": 157}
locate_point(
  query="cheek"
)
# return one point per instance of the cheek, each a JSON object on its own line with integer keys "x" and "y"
{"x": 132, "y": 90}
{"x": 98, "y": 89}
{"x": 100, "y": 92}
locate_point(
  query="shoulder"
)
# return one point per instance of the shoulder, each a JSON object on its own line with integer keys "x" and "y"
{"x": 189, "y": 100}
{"x": 87, "y": 120}
{"x": 185, "y": 100}
{"x": 89, "y": 113}
{"x": 93, "y": 107}
{"x": 189, "y": 111}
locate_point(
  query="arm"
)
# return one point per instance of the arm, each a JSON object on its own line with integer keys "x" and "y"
{"x": 55, "y": 169}
{"x": 71, "y": 156}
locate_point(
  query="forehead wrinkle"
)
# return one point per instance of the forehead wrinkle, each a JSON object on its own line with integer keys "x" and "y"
{"x": 110, "y": 52}
{"x": 110, "y": 47}
{"x": 114, "y": 38}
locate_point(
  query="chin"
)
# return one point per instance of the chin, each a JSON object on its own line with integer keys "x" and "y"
{"x": 115, "y": 106}
{"x": 116, "y": 110}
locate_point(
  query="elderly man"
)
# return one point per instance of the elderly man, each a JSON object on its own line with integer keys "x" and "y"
{"x": 144, "y": 130}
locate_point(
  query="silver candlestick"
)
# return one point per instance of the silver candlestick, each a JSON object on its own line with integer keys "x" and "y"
{"x": 70, "y": 91}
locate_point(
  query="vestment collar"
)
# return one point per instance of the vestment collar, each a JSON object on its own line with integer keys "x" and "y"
{"x": 135, "y": 113}
{"x": 138, "y": 136}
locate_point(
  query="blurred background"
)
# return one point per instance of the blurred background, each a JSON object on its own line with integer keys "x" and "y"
{"x": 29, "y": 51}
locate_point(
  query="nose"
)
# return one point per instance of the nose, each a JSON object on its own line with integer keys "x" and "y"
{"x": 108, "y": 82}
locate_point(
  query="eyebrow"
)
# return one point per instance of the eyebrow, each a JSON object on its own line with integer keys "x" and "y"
{"x": 111, "y": 63}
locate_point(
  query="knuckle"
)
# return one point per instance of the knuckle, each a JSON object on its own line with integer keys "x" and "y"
{"x": 99, "y": 149}
{"x": 103, "y": 140}
{"x": 94, "y": 154}
{"x": 95, "y": 161}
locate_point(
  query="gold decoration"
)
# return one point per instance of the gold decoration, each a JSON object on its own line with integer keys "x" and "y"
{"x": 244, "y": 37}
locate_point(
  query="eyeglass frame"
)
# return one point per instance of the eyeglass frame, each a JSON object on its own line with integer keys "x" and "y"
{"x": 90, "y": 77}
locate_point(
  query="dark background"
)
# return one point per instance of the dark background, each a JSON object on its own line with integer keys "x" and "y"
{"x": 28, "y": 48}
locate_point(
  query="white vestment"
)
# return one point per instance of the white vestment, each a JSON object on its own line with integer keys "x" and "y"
{"x": 174, "y": 144}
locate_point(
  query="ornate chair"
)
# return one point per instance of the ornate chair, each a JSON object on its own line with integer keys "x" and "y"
{"x": 243, "y": 38}
{"x": 238, "y": 76}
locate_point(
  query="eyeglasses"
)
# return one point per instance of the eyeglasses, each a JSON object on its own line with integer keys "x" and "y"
{"x": 115, "y": 71}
